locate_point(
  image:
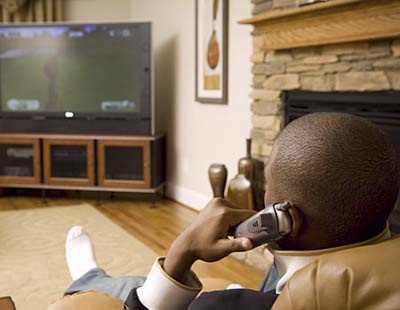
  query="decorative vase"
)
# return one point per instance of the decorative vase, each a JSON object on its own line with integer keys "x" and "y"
{"x": 246, "y": 164}
{"x": 218, "y": 174}
{"x": 241, "y": 187}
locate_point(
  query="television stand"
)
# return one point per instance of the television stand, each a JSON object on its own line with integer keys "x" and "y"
{"x": 103, "y": 163}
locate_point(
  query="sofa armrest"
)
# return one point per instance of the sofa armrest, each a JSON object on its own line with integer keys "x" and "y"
{"x": 6, "y": 303}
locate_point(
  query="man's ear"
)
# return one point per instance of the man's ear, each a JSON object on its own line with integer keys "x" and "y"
{"x": 297, "y": 220}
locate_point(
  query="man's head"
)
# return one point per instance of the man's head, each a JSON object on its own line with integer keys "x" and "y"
{"x": 340, "y": 171}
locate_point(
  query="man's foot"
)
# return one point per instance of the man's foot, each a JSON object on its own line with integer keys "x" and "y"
{"x": 79, "y": 252}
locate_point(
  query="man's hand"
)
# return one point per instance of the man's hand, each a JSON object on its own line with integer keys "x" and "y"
{"x": 206, "y": 238}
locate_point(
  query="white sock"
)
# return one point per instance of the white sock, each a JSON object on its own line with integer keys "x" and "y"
{"x": 79, "y": 252}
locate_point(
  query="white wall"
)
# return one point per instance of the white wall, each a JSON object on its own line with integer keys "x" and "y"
{"x": 198, "y": 134}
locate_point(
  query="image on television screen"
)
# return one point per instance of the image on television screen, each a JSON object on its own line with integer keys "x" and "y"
{"x": 77, "y": 68}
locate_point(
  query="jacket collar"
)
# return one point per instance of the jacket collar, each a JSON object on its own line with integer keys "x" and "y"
{"x": 288, "y": 262}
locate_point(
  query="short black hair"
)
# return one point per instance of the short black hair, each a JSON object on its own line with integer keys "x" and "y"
{"x": 342, "y": 172}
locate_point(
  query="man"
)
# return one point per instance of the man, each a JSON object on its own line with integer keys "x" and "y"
{"x": 340, "y": 173}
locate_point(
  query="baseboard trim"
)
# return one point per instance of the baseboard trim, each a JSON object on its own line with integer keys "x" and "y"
{"x": 186, "y": 196}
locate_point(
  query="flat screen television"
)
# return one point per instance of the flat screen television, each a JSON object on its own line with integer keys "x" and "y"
{"x": 76, "y": 78}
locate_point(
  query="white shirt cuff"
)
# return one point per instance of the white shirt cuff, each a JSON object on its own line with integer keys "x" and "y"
{"x": 161, "y": 291}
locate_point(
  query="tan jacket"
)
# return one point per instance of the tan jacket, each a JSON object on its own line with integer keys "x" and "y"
{"x": 366, "y": 277}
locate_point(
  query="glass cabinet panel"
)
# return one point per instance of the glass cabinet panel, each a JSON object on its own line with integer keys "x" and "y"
{"x": 124, "y": 163}
{"x": 17, "y": 160}
{"x": 68, "y": 161}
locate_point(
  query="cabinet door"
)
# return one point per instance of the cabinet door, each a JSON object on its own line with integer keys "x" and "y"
{"x": 68, "y": 162}
{"x": 19, "y": 161}
{"x": 124, "y": 164}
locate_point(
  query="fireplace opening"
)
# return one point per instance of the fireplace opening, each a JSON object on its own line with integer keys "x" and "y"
{"x": 382, "y": 108}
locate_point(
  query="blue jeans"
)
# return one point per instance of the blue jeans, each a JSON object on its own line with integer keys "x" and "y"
{"x": 270, "y": 280}
{"x": 97, "y": 280}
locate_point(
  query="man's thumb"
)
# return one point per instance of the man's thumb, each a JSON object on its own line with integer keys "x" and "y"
{"x": 236, "y": 245}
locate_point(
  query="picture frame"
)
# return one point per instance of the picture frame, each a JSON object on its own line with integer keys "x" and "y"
{"x": 211, "y": 51}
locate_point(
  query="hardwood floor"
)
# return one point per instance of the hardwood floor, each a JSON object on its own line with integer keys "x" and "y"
{"x": 155, "y": 227}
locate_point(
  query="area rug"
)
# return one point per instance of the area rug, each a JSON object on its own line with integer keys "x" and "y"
{"x": 33, "y": 269}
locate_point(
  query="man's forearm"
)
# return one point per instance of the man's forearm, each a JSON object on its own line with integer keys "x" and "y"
{"x": 206, "y": 239}
{"x": 179, "y": 261}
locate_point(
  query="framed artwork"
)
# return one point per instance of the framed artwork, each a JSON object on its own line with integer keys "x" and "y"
{"x": 211, "y": 51}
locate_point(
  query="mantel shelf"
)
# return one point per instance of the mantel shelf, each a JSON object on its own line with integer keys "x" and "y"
{"x": 335, "y": 21}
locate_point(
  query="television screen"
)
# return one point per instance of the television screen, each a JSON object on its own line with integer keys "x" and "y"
{"x": 76, "y": 69}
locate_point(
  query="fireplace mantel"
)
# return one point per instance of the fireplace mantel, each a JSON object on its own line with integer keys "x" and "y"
{"x": 335, "y": 21}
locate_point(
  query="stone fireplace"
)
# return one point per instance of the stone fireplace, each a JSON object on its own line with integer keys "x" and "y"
{"x": 357, "y": 67}
{"x": 291, "y": 52}
{"x": 337, "y": 46}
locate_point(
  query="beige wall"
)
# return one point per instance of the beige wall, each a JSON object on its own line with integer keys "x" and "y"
{"x": 97, "y": 10}
{"x": 198, "y": 134}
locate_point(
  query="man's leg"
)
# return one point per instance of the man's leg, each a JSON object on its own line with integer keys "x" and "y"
{"x": 84, "y": 271}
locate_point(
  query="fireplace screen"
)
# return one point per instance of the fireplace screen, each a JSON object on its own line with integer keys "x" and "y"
{"x": 382, "y": 108}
